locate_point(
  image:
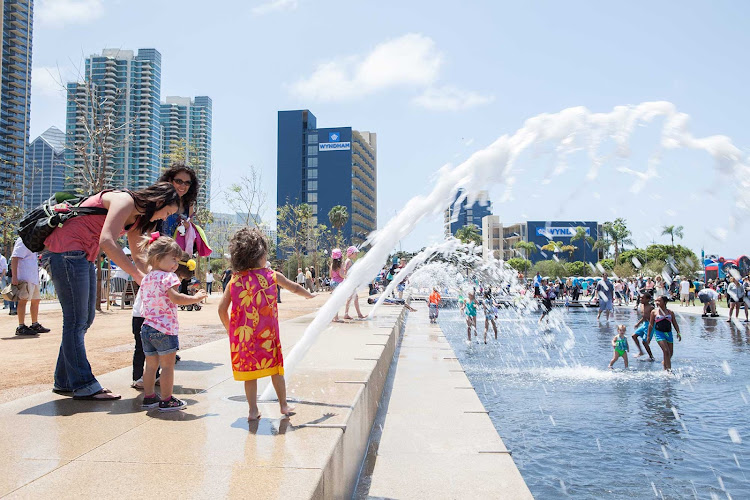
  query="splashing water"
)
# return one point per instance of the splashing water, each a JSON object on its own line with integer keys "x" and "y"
{"x": 571, "y": 130}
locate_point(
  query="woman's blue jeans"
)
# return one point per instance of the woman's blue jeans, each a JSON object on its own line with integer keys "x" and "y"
{"x": 75, "y": 282}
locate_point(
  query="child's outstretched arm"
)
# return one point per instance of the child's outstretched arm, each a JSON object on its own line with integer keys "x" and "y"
{"x": 185, "y": 300}
{"x": 226, "y": 300}
{"x": 292, "y": 286}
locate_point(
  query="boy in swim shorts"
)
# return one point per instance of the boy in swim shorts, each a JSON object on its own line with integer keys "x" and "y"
{"x": 470, "y": 309}
{"x": 620, "y": 344}
{"x": 642, "y": 330}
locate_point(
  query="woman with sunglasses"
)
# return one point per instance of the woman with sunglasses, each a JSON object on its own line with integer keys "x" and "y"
{"x": 185, "y": 182}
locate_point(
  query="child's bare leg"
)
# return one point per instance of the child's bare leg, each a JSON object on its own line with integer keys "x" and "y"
{"x": 356, "y": 306}
{"x": 666, "y": 363}
{"x": 625, "y": 358}
{"x": 638, "y": 344}
{"x": 468, "y": 329}
{"x": 251, "y": 393}
{"x": 149, "y": 375}
{"x": 494, "y": 327}
{"x": 346, "y": 309}
{"x": 280, "y": 386}
{"x": 648, "y": 350}
{"x": 614, "y": 358}
{"x": 167, "y": 375}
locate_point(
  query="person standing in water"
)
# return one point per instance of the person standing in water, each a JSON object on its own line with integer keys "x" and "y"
{"x": 470, "y": 309}
{"x": 490, "y": 312}
{"x": 605, "y": 294}
{"x": 660, "y": 324}
{"x": 642, "y": 331}
{"x": 620, "y": 344}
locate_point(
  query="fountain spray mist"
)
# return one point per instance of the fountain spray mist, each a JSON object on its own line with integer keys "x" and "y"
{"x": 571, "y": 129}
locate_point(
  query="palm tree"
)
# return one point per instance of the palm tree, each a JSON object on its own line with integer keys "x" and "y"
{"x": 585, "y": 238}
{"x": 553, "y": 246}
{"x": 528, "y": 248}
{"x": 338, "y": 216}
{"x": 570, "y": 249}
{"x": 468, "y": 234}
{"x": 603, "y": 245}
{"x": 672, "y": 231}
{"x": 619, "y": 232}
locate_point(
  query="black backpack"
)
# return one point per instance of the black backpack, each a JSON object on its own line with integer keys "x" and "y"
{"x": 53, "y": 213}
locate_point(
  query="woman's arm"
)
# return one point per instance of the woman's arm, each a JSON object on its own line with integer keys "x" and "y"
{"x": 120, "y": 207}
{"x": 676, "y": 326}
{"x": 226, "y": 300}
{"x": 292, "y": 287}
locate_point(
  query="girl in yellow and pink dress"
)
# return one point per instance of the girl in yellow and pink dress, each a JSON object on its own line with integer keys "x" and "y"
{"x": 250, "y": 315}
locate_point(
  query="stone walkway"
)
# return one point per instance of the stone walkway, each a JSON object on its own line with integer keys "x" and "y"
{"x": 438, "y": 440}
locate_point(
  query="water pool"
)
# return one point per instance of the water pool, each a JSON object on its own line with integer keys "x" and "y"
{"x": 577, "y": 428}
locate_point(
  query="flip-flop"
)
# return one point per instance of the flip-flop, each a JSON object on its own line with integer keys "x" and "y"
{"x": 62, "y": 392}
{"x": 92, "y": 397}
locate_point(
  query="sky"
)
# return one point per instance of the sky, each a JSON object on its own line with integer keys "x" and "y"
{"x": 439, "y": 82}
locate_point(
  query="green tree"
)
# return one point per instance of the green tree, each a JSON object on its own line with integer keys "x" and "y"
{"x": 576, "y": 268}
{"x": 672, "y": 231}
{"x": 619, "y": 233}
{"x": 293, "y": 229}
{"x": 527, "y": 247}
{"x": 247, "y": 197}
{"x": 338, "y": 216}
{"x": 585, "y": 238}
{"x": 468, "y": 234}
{"x": 607, "y": 264}
{"x": 518, "y": 264}
{"x": 637, "y": 253}
{"x": 570, "y": 249}
{"x": 551, "y": 268}
{"x": 553, "y": 246}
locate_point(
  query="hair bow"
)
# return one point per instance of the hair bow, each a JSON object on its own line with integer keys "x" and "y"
{"x": 154, "y": 236}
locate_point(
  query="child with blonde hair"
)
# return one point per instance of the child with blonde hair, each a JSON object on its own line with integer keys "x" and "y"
{"x": 250, "y": 315}
{"x": 160, "y": 299}
{"x": 620, "y": 345}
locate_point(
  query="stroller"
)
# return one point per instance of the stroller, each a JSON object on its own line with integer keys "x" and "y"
{"x": 190, "y": 287}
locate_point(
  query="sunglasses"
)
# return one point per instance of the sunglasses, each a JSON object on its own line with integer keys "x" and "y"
{"x": 180, "y": 182}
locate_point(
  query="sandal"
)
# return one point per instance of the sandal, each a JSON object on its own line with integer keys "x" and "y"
{"x": 93, "y": 397}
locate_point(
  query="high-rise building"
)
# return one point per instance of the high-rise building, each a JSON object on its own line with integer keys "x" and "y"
{"x": 118, "y": 101}
{"x": 325, "y": 167}
{"x": 15, "y": 95}
{"x": 44, "y": 173}
{"x": 465, "y": 214}
{"x": 186, "y": 123}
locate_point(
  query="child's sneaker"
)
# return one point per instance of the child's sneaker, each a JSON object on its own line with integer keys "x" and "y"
{"x": 173, "y": 404}
{"x": 151, "y": 402}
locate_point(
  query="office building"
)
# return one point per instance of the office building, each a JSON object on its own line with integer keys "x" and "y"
{"x": 15, "y": 96}
{"x": 119, "y": 98}
{"x": 540, "y": 233}
{"x": 186, "y": 123}
{"x": 325, "y": 167}
{"x": 466, "y": 214}
{"x": 44, "y": 173}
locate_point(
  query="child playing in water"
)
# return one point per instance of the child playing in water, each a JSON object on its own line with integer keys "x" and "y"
{"x": 160, "y": 327}
{"x": 351, "y": 256}
{"x": 490, "y": 313}
{"x": 644, "y": 322}
{"x": 620, "y": 344}
{"x": 433, "y": 304}
{"x": 660, "y": 323}
{"x": 253, "y": 323}
{"x": 470, "y": 309}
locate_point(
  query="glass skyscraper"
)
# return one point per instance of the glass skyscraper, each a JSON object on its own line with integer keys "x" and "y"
{"x": 45, "y": 167}
{"x": 465, "y": 214}
{"x": 183, "y": 118}
{"x": 325, "y": 167}
{"x": 15, "y": 96}
{"x": 120, "y": 94}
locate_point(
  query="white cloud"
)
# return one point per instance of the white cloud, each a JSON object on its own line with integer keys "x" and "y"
{"x": 274, "y": 6}
{"x": 411, "y": 60}
{"x": 450, "y": 98}
{"x": 61, "y": 12}
{"x": 46, "y": 81}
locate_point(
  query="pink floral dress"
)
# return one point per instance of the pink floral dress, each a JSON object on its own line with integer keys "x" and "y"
{"x": 254, "y": 325}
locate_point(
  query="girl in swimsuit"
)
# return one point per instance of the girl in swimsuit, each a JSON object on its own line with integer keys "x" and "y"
{"x": 660, "y": 325}
{"x": 620, "y": 344}
{"x": 470, "y": 309}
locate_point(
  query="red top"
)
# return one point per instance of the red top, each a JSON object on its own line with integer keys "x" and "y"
{"x": 434, "y": 298}
{"x": 80, "y": 233}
